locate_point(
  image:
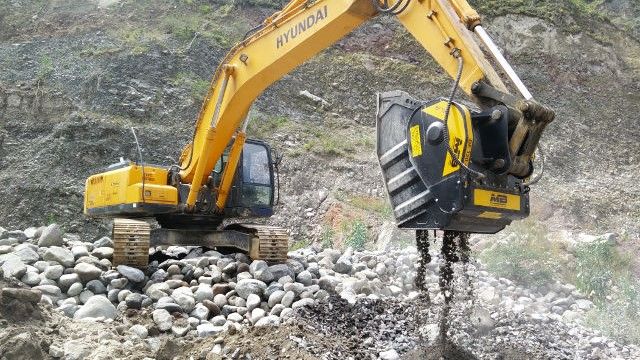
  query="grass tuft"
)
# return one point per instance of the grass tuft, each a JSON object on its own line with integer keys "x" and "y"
{"x": 525, "y": 256}
{"x": 197, "y": 86}
{"x": 356, "y": 234}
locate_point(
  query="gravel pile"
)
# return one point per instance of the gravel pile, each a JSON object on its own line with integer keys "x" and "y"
{"x": 196, "y": 293}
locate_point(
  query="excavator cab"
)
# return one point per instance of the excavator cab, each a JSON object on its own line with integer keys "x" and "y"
{"x": 252, "y": 193}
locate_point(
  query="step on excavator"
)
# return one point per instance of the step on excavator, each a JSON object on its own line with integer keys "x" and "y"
{"x": 445, "y": 166}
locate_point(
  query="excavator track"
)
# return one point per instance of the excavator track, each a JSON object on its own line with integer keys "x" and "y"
{"x": 131, "y": 242}
{"x": 270, "y": 243}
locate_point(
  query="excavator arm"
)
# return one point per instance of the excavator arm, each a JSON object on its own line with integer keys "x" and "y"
{"x": 301, "y": 30}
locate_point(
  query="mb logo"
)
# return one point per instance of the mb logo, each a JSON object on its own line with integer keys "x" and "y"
{"x": 498, "y": 199}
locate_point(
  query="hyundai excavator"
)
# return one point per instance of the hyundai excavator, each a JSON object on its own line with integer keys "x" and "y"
{"x": 445, "y": 166}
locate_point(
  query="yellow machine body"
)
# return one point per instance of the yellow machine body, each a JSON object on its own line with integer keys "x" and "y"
{"x": 221, "y": 174}
{"x": 123, "y": 190}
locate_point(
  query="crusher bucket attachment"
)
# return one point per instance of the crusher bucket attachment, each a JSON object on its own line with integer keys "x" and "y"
{"x": 426, "y": 187}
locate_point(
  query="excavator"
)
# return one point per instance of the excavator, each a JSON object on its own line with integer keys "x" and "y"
{"x": 445, "y": 166}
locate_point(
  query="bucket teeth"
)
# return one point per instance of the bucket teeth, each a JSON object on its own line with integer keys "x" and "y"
{"x": 131, "y": 242}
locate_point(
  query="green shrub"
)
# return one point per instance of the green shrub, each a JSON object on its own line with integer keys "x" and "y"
{"x": 356, "y": 235}
{"x": 327, "y": 144}
{"x": 183, "y": 27}
{"x": 45, "y": 68}
{"x": 371, "y": 204}
{"x": 606, "y": 277}
{"x": 326, "y": 238}
{"x": 298, "y": 245}
{"x": 595, "y": 267}
{"x": 205, "y": 9}
{"x": 264, "y": 128}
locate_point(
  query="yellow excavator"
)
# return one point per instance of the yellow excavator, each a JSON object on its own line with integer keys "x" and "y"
{"x": 445, "y": 166}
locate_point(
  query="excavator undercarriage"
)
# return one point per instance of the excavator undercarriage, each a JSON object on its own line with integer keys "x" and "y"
{"x": 133, "y": 238}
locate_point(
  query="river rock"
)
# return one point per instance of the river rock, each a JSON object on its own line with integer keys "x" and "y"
{"x": 19, "y": 235}
{"x": 31, "y": 278}
{"x": 87, "y": 272}
{"x": 203, "y": 292}
{"x": 343, "y": 265}
{"x": 214, "y": 309}
{"x": 131, "y": 273}
{"x": 60, "y": 255}
{"x": 54, "y": 272}
{"x": 184, "y": 297}
{"x": 79, "y": 251}
{"x": 288, "y": 298}
{"x": 250, "y": 286}
{"x": 26, "y": 254}
{"x": 305, "y": 278}
{"x": 66, "y": 280}
{"x": 51, "y": 236}
{"x": 104, "y": 241}
{"x": 281, "y": 270}
{"x": 139, "y": 330}
{"x": 103, "y": 252}
{"x": 133, "y": 301}
{"x": 253, "y": 301}
{"x": 75, "y": 289}
{"x": 220, "y": 300}
{"x": 96, "y": 306}
{"x": 162, "y": 319}
{"x": 271, "y": 320}
{"x": 12, "y": 266}
{"x": 389, "y": 355}
{"x": 275, "y": 298}
{"x": 200, "y": 312}
{"x": 208, "y": 329}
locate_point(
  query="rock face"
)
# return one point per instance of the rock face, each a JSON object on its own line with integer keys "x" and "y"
{"x": 26, "y": 295}
{"x": 21, "y": 347}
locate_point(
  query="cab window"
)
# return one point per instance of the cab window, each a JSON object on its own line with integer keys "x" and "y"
{"x": 256, "y": 176}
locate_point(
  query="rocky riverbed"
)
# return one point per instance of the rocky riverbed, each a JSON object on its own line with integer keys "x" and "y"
{"x": 62, "y": 298}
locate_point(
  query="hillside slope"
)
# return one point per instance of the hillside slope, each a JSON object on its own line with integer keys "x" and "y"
{"x": 75, "y": 78}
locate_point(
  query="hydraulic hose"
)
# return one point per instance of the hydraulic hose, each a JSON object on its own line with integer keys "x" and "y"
{"x": 393, "y": 10}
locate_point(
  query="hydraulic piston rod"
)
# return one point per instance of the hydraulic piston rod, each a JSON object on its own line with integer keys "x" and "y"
{"x": 504, "y": 64}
